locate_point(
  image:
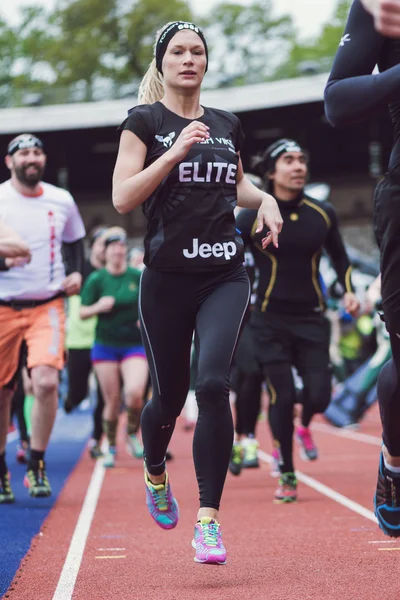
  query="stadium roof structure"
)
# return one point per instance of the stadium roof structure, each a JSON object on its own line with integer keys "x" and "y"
{"x": 62, "y": 117}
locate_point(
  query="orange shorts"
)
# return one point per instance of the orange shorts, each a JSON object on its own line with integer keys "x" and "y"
{"x": 42, "y": 328}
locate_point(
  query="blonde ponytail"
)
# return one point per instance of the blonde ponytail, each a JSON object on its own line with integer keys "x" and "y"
{"x": 151, "y": 87}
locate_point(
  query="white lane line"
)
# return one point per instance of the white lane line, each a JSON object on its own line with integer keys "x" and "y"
{"x": 327, "y": 491}
{"x": 69, "y": 574}
{"x": 346, "y": 433}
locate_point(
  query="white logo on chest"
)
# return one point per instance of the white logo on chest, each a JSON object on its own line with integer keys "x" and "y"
{"x": 226, "y": 249}
{"x": 167, "y": 140}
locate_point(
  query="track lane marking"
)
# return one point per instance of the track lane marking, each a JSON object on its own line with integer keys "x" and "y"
{"x": 327, "y": 491}
{"x": 113, "y": 556}
{"x": 346, "y": 433}
{"x": 69, "y": 573}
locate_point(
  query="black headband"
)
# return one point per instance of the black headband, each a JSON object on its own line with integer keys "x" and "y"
{"x": 168, "y": 33}
{"x": 117, "y": 237}
{"x": 95, "y": 236}
{"x": 26, "y": 140}
{"x": 281, "y": 147}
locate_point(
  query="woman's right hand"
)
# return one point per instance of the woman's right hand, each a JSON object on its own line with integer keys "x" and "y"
{"x": 105, "y": 304}
{"x": 192, "y": 134}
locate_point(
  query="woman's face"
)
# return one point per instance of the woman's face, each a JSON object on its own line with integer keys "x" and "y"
{"x": 116, "y": 253}
{"x": 185, "y": 61}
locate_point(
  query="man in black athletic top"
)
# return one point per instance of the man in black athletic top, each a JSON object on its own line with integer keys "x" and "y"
{"x": 181, "y": 162}
{"x": 288, "y": 320}
{"x": 353, "y": 93}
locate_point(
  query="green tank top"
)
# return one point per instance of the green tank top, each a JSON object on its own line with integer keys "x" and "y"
{"x": 119, "y": 326}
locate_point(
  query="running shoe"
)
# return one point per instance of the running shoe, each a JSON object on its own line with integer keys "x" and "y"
{"x": 287, "y": 489}
{"x": 250, "y": 454}
{"x": 134, "y": 446}
{"x": 235, "y": 464}
{"x": 95, "y": 450}
{"x": 275, "y": 470}
{"x": 162, "y": 506}
{"x": 36, "y": 481}
{"x": 6, "y": 493}
{"x": 109, "y": 458}
{"x": 207, "y": 542}
{"x": 308, "y": 450}
{"x": 387, "y": 500}
{"x": 22, "y": 455}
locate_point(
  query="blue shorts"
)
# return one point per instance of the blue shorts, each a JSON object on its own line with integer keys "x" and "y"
{"x": 103, "y": 353}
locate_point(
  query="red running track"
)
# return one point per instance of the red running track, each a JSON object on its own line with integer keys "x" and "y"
{"x": 316, "y": 548}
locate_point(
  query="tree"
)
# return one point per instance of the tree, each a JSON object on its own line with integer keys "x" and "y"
{"x": 316, "y": 55}
{"x": 248, "y": 40}
{"x": 137, "y": 29}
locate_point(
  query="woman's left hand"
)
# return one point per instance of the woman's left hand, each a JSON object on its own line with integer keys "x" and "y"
{"x": 269, "y": 215}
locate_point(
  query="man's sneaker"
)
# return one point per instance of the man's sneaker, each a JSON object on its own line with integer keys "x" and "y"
{"x": 250, "y": 454}
{"x": 134, "y": 446}
{"x": 207, "y": 542}
{"x": 6, "y": 493}
{"x": 287, "y": 489}
{"x": 22, "y": 455}
{"x": 162, "y": 506}
{"x": 387, "y": 500}
{"x": 308, "y": 450}
{"x": 109, "y": 458}
{"x": 275, "y": 470}
{"x": 36, "y": 481}
{"x": 95, "y": 450}
{"x": 235, "y": 464}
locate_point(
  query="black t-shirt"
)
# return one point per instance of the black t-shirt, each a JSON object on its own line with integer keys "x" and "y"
{"x": 191, "y": 225}
{"x": 289, "y": 276}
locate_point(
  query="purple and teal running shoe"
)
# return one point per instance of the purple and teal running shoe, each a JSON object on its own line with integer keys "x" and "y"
{"x": 207, "y": 542}
{"x": 163, "y": 507}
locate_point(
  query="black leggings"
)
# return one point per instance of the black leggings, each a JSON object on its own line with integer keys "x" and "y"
{"x": 387, "y": 232}
{"x": 247, "y": 379}
{"x": 18, "y": 402}
{"x": 172, "y": 307}
{"x": 283, "y": 396}
{"x": 79, "y": 369}
{"x": 283, "y": 341}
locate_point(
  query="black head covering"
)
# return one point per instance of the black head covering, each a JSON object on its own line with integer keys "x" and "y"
{"x": 25, "y": 140}
{"x": 168, "y": 33}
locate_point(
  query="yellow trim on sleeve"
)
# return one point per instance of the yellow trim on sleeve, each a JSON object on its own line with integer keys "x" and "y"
{"x": 271, "y": 284}
{"x": 321, "y": 212}
{"x": 253, "y": 229}
{"x": 316, "y": 285}
{"x": 274, "y": 262}
{"x": 348, "y": 279}
{"x": 272, "y": 391}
